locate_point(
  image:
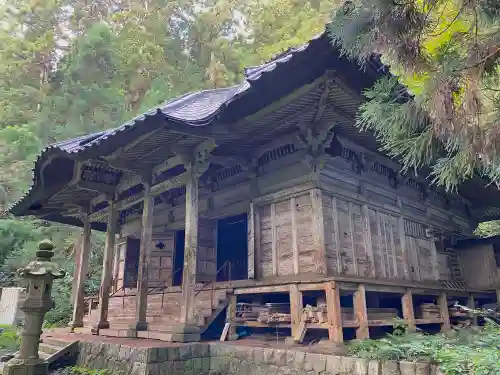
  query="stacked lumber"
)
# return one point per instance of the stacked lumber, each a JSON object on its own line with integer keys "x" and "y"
{"x": 428, "y": 311}
{"x": 314, "y": 314}
{"x": 318, "y": 314}
{"x": 275, "y": 313}
{"x": 270, "y": 317}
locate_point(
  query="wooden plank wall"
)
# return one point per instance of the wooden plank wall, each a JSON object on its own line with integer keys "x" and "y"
{"x": 479, "y": 267}
{"x": 160, "y": 266}
{"x": 285, "y": 238}
{"x": 364, "y": 241}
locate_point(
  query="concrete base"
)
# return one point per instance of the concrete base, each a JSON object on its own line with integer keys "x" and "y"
{"x": 186, "y": 333}
{"x": 25, "y": 367}
{"x": 72, "y": 325}
{"x": 98, "y": 326}
{"x": 139, "y": 326}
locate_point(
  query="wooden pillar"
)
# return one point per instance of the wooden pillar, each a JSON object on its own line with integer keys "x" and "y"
{"x": 408, "y": 310}
{"x": 82, "y": 261}
{"x": 471, "y": 304}
{"x": 141, "y": 306}
{"x": 190, "y": 248}
{"x": 188, "y": 330}
{"x": 107, "y": 270}
{"x": 498, "y": 296}
{"x": 334, "y": 312}
{"x": 251, "y": 241}
{"x": 296, "y": 307}
{"x": 445, "y": 314}
{"x": 361, "y": 313}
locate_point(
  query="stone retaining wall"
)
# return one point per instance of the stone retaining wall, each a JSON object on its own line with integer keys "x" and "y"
{"x": 232, "y": 359}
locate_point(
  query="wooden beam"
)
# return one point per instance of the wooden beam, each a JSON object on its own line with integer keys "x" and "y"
{"x": 155, "y": 190}
{"x": 361, "y": 313}
{"x": 445, "y": 314}
{"x": 227, "y": 161}
{"x": 333, "y": 311}
{"x": 296, "y": 307}
{"x": 408, "y": 310}
{"x": 262, "y": 289}
{"x": 169, "y": 163}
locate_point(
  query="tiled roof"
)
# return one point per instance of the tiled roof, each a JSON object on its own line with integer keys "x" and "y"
{"x": 192, "y": 109}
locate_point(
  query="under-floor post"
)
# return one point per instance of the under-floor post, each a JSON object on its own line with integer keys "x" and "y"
{"x": 445, "y": 313}
{"x": 107, "y": 270}
{"x": 408, "y": 310}
{"x": 144, "y": 253}
{"x": 471, "y": 304}
{"x": 296, "y": 307}
{"x": 334, "y": 312}
{"x": 361, "y": 313}
{"x": 82, "y": 262}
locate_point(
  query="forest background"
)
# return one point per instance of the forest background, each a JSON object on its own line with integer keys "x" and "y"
{"x": 73, "y": 67}
{"x": 69, "y": 68}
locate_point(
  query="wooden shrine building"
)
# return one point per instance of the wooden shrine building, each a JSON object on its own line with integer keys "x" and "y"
{"x": 263, "y": 192}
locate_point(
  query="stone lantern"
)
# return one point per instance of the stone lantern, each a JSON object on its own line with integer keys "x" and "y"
{"x": 39, "y": 274}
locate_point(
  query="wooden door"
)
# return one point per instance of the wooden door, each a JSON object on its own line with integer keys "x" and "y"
{"x": 131, "y": 262}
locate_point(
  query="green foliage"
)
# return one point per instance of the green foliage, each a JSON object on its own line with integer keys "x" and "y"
{"x": 70, "y": 69}
{"x": 88, "y": 371}
{"x": 488, "y": 229}
{"x": 446, "y": 53}
{"x": 469, "y": 351}
{"x": 8, "y": 338}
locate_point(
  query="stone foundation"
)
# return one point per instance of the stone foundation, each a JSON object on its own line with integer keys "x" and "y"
{"x": 234, "y": 359}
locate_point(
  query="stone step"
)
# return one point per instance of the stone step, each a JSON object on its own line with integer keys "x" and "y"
{"x": 44, "y": 356}
{"x": 54, "y": 342}
{"x": 155, "y": 335}
{"x": 112, "y": 332}
{"x": 49, "y": 349}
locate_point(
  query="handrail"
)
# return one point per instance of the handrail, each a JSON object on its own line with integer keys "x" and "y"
{"x": 163, "y": 284}
{"x": 212, "y": 283}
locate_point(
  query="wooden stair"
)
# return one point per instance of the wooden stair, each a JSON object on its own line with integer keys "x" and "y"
{"x": 162, "y": 315}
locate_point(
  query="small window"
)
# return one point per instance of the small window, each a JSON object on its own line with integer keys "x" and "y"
{"x": 496, "y": 249}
